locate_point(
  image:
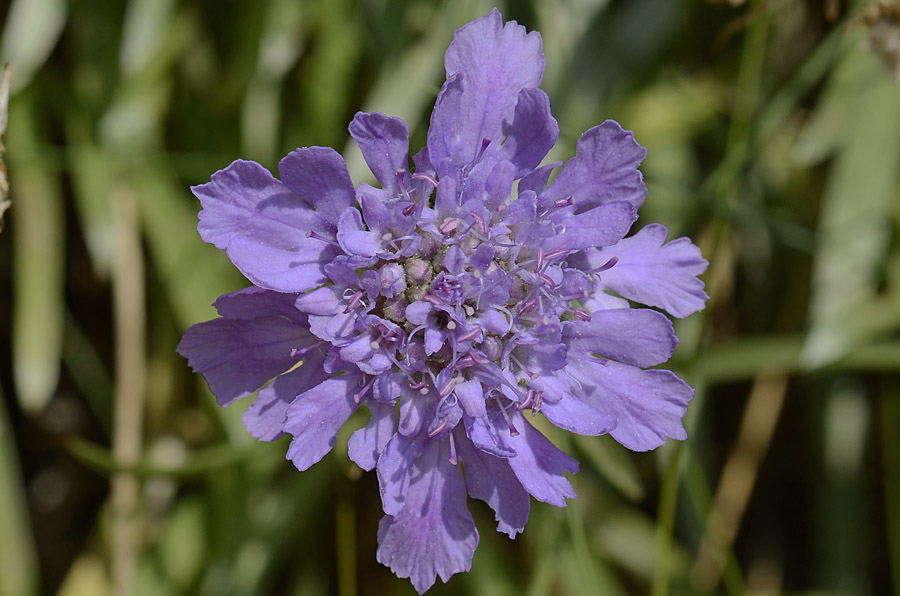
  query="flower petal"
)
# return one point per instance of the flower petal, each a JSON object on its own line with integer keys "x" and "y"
{"x": 244, "y": 200}
{"x": 491, "y": 479}
{"x": 601, "y": 226}
{"x": 434, "y": 534}
{"x": 384, "y": 143}
{"x": 488, "y": 64}
{"x": 315, "y": 417}
{"x": 366, "y": 445}
{"x": 238, "y": 356}
{"x": 354, "y": 238}
{"x": 263, "y": 227}
{"x": 266, "y": 416}
{"x": 319, "y": 176}
{"x": 471, "y": 398}
{"x": 648, "y": 405}
{"x": 533, "y": 133}
{"x": 394, "y": 470}
{"x": 604, "y": 169}
{"x": 540, "y": 465}
{"x": 253, "y": 302}
{"x": 656, "y": 274}
{"x": 298, "y": 269}
{"x": 636, "y": 336}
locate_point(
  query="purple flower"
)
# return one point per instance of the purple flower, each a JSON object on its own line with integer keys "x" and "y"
{"x": 449, "y": 302}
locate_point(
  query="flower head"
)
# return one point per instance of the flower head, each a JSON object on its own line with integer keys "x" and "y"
{"x": 450, "y": 302}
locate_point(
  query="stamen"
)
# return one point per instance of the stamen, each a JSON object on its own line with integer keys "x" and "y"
{"x": 470, "y": 335}
{"x": 485, "y": 142}
{"x": 374, "y": 344}
{"x": 547, "y": 280}
{"x": 386, "y": 237}
{"x": 529, "y": 398}
{"x": 513, "y": 432}
{"x": 317, "y": 236}
{"x": 527, "y": 306}
{"x": 448, "y": 388}
{"x": 432, "y": 299}
{"x": 481, "y": 223}
{"x": 581, "y": 315}
{"x": 301, "y": 351}
{"x": 400, "y": 172}
{"x": 448, "y": 226}
{"x": 453, "y": 457}
{"x": 451, "y": 325}
{"x": 354, "y": 302}
{"x": 439, "y": 429}
{"x": 464, "y": 362}
{"x": 426, "y": 177}
{"x": 606, "y": 266}
{"x": 357, "y": 397}
{"x": 478, "y": 357}
{"x": 564, "y": 202}
{"x": 418, "y": 386}
{"x": 409, "y": 209}
{"x": 538, "y": 401}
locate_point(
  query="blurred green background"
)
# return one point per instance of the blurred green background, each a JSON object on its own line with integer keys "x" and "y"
{"x": 773, "y": 130}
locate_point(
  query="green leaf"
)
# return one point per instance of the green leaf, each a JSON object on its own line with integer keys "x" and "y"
{"x": 613, "y": 462}
{"x": 38, "y": 260}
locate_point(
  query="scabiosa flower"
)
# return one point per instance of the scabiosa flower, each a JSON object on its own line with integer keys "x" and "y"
{"x": 449, "y": 302}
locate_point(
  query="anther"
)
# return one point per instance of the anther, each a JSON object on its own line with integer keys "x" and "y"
{"x": 418, "y": 386}
{"x": 448, "y": 226}
{"x": 482, "y": 224}
{"x": 357, "y": 397}
{"x": 485, "y": 142}
{"x": 451, "y": 325}
{"x": 426, "y": 177}
{"x": 354, "y": 302}
{"x": 409, "y": 209}
{"x": 606, "y": 266}
{"x": 439, "y": 429}
{"x": 564, "y": 202}
{"x": 581, "y": 315}
{"x": 301, "y": 351}
{"x": 547, "y": 280}
{"x": 469, "y": 335}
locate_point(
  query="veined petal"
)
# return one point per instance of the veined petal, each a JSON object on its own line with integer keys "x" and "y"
{"x": 604, "y": 169}
{"x": 267, "y": 414}
{"x": 255, "y": 302}
{"x": 533, "y": 133}
{"x": 648, "y": 405}
{"x": 540, "y": 465}
{"x": 315, "y": 417}
{"x": 656, "y": 274}
{"x": 395, "y": 468}
{"x": 319, "y": 176}
{"x": 354, "y": 238}
{"x": 367, "y": 444}
{"x": 601, "y": 226}
{"x": 487, "y": 65}
{"x": 244, "y": 200}
{"x": 300, "y": 268}
{"x": 471, "y": 398}
{"x": 492, "y": 480}
{"x": 238, "y": 356}
{"x": 636, "y": 336}
{"x": 434, "y": 534}
{"x": 384, "y": 143}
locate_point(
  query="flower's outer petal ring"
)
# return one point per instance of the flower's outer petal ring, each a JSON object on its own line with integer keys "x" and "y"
{"x": 315, "y": 417}
{"x": 434, "y": 533}
{"x": 319, "y": 176}
{"x": 533, "y": 133}
{"x": 238, "y": 356}
{"x": 539, "y": 465}
{"x": 636, "y": 336}
{"x": 491, "y": 479}
{"x": 384, "y": 143}
{"x": 488, "y": 64}
{"x": 244, "y": 201}
{"x": 653, "y": 273}
{"x": 648, "y": 405}
{"x": 267, "y": 414}
{"x": 367, "y": 444}
{"x": 604, "y": 169}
